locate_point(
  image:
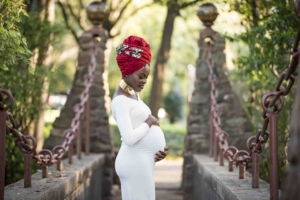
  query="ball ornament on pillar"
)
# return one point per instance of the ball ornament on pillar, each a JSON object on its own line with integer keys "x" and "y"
{"x": 207, "y": 13}
{"x": 97, "y": 12}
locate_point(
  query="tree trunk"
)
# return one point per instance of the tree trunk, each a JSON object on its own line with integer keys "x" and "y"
{"x": 255, "y": 13}
{"x": 46, "y": 9}
{"x": 162, "y": 59}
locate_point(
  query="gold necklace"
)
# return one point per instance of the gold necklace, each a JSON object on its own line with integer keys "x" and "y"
{"x": 126, "y": 87}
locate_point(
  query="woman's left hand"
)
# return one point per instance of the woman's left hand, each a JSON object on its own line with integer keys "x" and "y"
{"x": 161, "y": 154}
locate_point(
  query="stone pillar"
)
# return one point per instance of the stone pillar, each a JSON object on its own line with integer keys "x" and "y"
{"x": 100, "y": 134}
{"x": 233, "y": 119}
{"x": 291, "y": 183}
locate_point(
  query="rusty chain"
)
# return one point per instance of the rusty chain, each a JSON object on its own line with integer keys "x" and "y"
{"x": 45, "y": 156}
{"x": 230, "y": 152}
{"x": 272, "y": 103}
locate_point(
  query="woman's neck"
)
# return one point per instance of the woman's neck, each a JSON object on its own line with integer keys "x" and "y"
{"x": 126, "y": 87}
{"x": 120, "y": 91}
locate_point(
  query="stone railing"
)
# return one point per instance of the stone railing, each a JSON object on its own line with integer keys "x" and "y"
{"x": 81, "y": 180}
{"x": 84, "y": 107}
{"x": 199, "y": 171}
{"x": 27, "y": 144}
{"x": 212, "y": 181}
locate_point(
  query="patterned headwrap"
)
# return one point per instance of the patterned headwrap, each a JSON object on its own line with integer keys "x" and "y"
{"x": 132, "y": 55}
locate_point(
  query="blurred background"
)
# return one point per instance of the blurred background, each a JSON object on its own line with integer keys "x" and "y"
{"x": 39, "y": 50}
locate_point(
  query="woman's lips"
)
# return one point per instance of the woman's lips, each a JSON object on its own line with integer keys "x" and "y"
{"x": 141, "y": 86}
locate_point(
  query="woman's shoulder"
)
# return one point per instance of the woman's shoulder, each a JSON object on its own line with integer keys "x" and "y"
{"x": 122, "y": 103}
{"x": 123, "y": 100}
{"x": 119, "y": 97}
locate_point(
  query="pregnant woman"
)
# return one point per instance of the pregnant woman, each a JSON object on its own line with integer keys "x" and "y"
{"x": 143, "y": 142}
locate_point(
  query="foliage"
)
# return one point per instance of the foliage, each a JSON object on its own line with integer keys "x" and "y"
{"x": 173, "y": 11}
{"x": 13, "y": 174}
{"x": 12, "y": 49}
{"x": 116, "y": 135}
{"x": 173, "y": 103}
{"x": 61, "y": 77}
{"x": 270, "y": 33}
{"x": 13, "y": 45}
{"x": 181, "y": 3}
{"x": 75, "y": 16}
{"x": 174, "y": 135}
{"x": 24, "y": 79}
{"x": 23, "y": 85}
{"x": 26, "y": 92}
{"x": 47, "y": 128}
{"x": 14, "y": 166}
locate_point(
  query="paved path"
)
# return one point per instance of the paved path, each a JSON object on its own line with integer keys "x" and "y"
{"x": 167, "y": 175}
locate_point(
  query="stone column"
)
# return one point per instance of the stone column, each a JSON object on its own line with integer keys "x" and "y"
{"x": 291, "y": 183}
{"x": 100, "y": 134}
{"x": 233, "y": 119}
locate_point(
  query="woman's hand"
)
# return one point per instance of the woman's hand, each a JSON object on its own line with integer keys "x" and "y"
{"x": 152, "y": 121}
{"x": 161, "y": 154}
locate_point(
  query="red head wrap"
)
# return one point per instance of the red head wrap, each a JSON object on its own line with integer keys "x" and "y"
{"x": 133, "y": 54}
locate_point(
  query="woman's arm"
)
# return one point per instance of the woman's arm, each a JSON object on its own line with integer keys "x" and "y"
{"x": 129, "y": 135}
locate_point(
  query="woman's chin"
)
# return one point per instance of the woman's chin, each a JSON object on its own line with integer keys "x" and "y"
{"x": 139, "y": 89}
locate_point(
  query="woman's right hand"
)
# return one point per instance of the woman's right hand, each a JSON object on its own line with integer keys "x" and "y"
{"x": 152, "y": 121}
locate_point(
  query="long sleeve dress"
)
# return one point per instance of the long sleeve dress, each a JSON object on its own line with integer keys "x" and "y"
{"x": 135, "y": 161}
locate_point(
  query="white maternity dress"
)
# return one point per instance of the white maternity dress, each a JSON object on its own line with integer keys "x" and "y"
{"x": 135, "y": 161}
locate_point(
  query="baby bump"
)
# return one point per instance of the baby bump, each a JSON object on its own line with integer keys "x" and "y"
{"x": 154, "y": 140}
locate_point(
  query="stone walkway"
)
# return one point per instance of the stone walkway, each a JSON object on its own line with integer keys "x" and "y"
{"x": 167, "y": 175}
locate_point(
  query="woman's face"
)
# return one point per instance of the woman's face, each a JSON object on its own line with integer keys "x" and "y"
{"x": 138, "y": 79}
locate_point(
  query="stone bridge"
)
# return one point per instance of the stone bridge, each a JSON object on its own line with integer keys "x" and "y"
{"x": 198, "y": 175}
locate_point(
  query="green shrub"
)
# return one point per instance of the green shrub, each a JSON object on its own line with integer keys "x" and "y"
{"x": 173, "y": 102}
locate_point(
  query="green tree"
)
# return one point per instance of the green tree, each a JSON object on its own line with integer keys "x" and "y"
{"x": 119, "y": 13}
{"x": 173, "y": 102}
{"x": 26, "y": 77}
{"x": 13, "y": 48}
{"x": 13, "y": 45}
{"x": 270, "y": 33}
{"x": 75, "y": 19}
{"x": 163, "y": 54}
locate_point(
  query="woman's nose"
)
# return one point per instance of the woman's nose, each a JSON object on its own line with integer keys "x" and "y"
{"x": 145, "y": 80}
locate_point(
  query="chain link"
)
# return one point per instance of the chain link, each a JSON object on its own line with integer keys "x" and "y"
{"x": 269, "y": 100}
{"x": 242, "y": 158}
{"x": 230, "y": 152}
{"x": 45, "y": 156}
{"x": 10, "y": 100}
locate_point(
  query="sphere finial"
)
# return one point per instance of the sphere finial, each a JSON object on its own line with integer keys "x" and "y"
{"x": 207, "y": 13}
{"x": 97, "y": 12}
